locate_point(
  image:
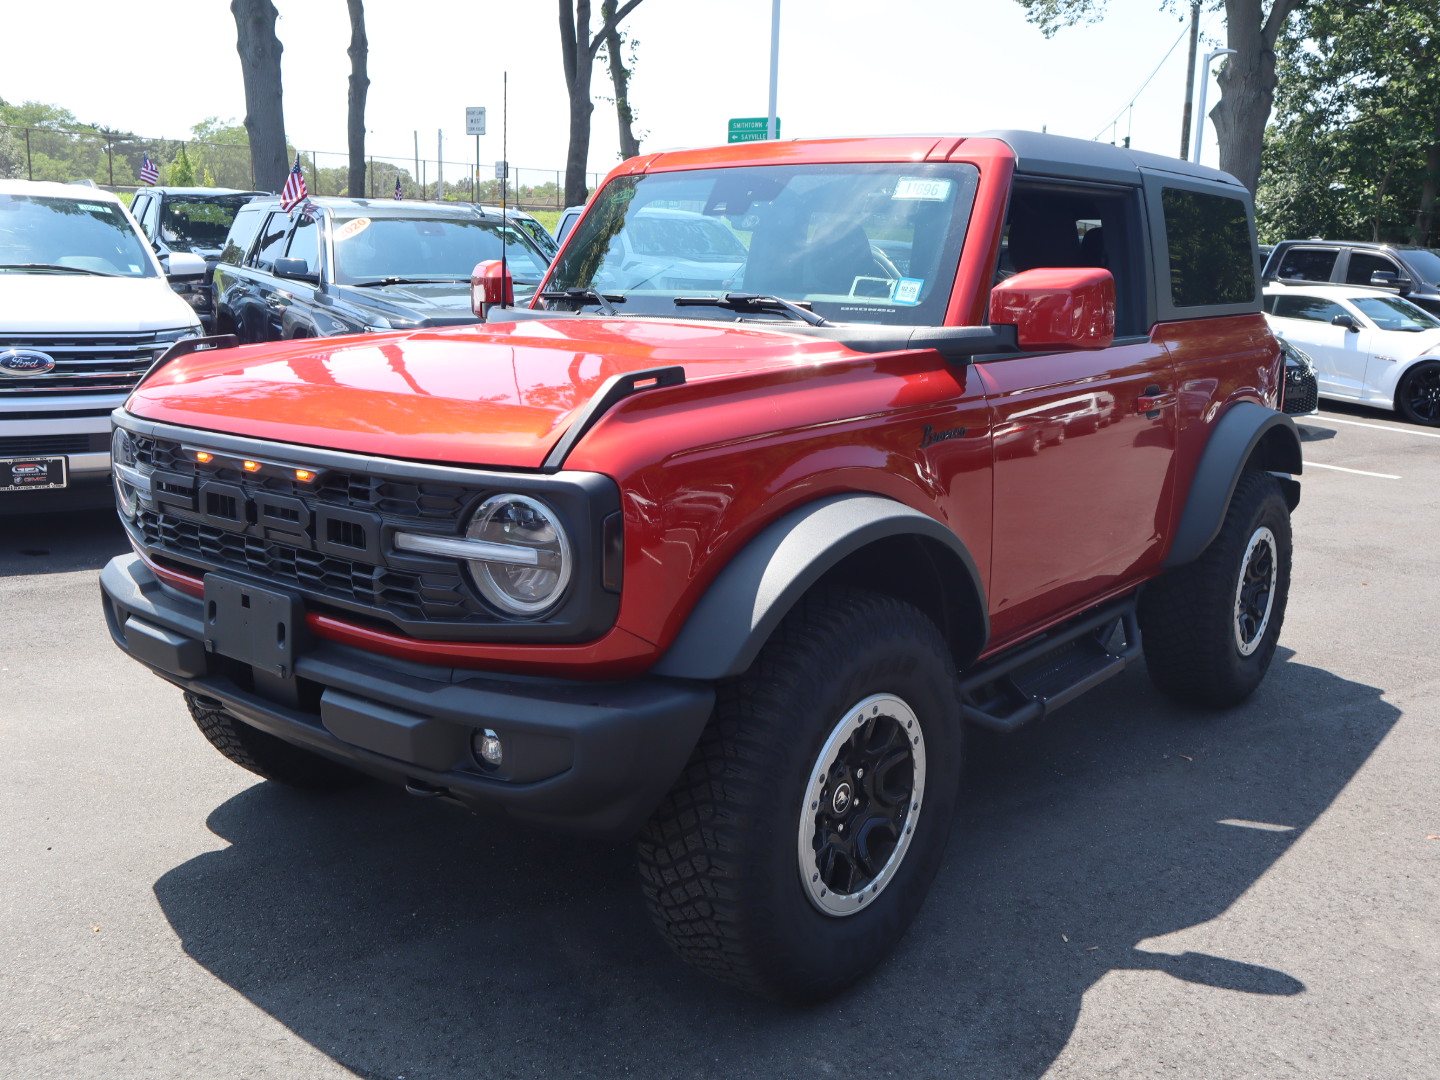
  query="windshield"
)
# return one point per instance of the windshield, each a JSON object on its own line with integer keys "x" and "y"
{"x": 58, "y": 235}
{"x": 371, "y": 249}
{"x": 199, "y": 223}
{"x": 1393, "y": 313}
{"x": 869, "y": 243}
{"x": 1424, "y": 262}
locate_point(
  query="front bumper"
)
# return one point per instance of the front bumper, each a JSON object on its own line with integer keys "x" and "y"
{"x": 589, "y": 757}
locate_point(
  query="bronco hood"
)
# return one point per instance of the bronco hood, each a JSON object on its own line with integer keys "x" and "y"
{"x": 500, "y": 394}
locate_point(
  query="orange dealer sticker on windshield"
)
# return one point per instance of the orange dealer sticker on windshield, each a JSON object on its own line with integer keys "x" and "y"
{"x": 351, "y": 228}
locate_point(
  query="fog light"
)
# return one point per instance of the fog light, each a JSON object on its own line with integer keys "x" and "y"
{"x": 487, "y": 748}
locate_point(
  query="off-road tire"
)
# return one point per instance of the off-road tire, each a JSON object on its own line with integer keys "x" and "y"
{"x": 1417, "y": 397}
{"x": 1207, "y": 641}
{"x": 265, "y": 755}
{"x": 720, "y": 861}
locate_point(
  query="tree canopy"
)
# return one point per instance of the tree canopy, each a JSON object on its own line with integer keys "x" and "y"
{"x": 1355, "y": 149}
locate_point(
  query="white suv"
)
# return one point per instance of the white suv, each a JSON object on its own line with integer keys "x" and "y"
{"x": 84, "y": 310}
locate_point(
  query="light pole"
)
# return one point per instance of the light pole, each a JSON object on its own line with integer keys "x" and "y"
{"x": 1204, "y": 86}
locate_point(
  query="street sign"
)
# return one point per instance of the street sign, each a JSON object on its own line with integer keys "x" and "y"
{"x": 502, "y": 170}
{"x": 475, "y": 120}
{"x": 751, "y": 128}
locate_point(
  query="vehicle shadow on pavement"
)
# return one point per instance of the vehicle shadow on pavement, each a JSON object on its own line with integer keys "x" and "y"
{"x": 405, "y": 938}
{"x": 60, "y": 542}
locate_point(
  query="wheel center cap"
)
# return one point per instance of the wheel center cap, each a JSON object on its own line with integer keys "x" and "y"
{"x": 842, "y": 799}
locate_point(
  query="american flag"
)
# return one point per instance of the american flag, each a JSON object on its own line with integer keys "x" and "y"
{"x": 148, "y": 172}
{"x": 294, "y": 192}
{"x": 397, "y": 187}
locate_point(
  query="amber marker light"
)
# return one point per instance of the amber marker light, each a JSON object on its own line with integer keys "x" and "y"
{"x": 251, "y": 466}
{"x": 203, "y": 458}
{"x": 304, "y": 475}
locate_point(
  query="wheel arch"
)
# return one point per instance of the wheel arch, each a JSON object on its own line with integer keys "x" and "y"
{"x": 1248, "y": 436}
{"x": 862, "y": 540}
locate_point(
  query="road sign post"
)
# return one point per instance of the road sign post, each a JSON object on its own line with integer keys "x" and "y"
{"x": 751, "y": 128}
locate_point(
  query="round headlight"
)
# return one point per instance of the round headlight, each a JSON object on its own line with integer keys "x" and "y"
{"x": 122, "y": 452}
{"x": 531, "y": 565}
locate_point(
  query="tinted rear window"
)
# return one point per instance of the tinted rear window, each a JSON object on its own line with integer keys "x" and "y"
{"x": 1211, "y": 258}
{"x": 247, "y": 224}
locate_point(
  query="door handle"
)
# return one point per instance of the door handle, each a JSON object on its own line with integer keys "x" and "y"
{"x": 1152, "y": 401}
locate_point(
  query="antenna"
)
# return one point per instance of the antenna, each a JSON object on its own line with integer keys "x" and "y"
{"x": 504, "y": 179}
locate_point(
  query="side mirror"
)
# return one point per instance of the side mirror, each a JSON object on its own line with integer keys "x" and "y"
{"x": 1347, "y": 321}
{"x": 184, "y": 264}
{"x": 490, "y": 286}
{"x": 1386, "y": 279}
{"x": 1057, "y": 308}
{"x": 295, "y": 268}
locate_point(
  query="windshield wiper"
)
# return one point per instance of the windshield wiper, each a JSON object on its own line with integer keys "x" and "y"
{"x": 744, "y": 301}
{"x": 604, "y": 301}
{"x": 55, "y": 266}
{"x": 409, "y": 281}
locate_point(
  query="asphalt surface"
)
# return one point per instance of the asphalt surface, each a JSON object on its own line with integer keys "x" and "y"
{"x": 1133, "y": 889}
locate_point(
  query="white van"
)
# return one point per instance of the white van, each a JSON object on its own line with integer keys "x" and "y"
{"x": 84, "y": 310}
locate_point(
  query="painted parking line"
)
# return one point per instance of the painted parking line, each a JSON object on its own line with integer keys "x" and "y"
{"x": 1357, "y": 472}
{"x": 1377, "y": 427}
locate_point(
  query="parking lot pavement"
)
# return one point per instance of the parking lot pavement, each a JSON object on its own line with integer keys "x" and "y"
{"x": 1133, "y": 889}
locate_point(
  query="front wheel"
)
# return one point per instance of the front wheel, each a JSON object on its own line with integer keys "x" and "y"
{"x": 804, "y": 832}
{"x": 1210, "y": 628}
{"x": 265, "y": 755}
{"x": 1417, "y": 398}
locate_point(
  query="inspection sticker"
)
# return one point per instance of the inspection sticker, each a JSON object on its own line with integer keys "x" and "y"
{"x": 353, "y": 227}
{"x": 907, "y": 290}
{"x": 914, "y": 187}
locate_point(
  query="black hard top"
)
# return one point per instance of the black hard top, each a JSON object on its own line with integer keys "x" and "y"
{"x": 402, "y": 208}
{"x": 1061, "y": 156}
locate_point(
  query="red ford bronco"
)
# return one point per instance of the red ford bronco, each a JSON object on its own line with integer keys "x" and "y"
{"x": 805, "y": 456}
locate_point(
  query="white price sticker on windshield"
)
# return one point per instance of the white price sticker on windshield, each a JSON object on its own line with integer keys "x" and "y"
{"x": 913, "y": 187}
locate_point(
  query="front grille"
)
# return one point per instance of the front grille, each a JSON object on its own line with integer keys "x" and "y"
{"x": 84, "y": 363}
{"x": 38, "y": 445}
{"x": 222, "y": 518}
{"x": 1302, "y": 391}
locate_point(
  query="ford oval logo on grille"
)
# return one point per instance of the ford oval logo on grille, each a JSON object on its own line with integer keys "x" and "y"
{"x": 25, "y": 362}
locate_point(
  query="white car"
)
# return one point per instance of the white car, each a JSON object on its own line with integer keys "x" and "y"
{"x": 1369, "y": 345}
{"x": 85, "y": 309}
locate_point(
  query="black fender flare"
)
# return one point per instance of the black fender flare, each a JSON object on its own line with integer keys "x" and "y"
{"x": 743, "y": 605}
{"x": 1247, "y": 436}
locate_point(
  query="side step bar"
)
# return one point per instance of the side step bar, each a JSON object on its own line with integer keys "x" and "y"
{"x": 1021, "y": 686}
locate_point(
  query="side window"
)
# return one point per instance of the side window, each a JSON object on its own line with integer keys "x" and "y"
{"x": 141, "y": 209}
{"x": 1212, "y": 261}
{"x": 305, "y": 243}
{"x": 1048, "y": 227}
{"x": 1363, "y": 264}
{"x": 242, "y": 232}
{"x": 1307, "y": 264}
{"x": 1307, "y": 308}
{"x": 272, "y": 242}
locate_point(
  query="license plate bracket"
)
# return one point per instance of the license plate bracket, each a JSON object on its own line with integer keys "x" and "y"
{"x": 33, "y": 473}
{"x": 262, "y": 627}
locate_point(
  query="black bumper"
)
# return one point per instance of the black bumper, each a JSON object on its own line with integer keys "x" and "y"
{"x": 590, "y": 757}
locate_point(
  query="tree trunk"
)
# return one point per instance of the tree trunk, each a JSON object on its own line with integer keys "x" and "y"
{"x": 259, "y": 51}
{"x": 1425, "y": 217}
{"x": 1247, "y": 84}
{"x": 577, "y": 51}
{"x": 359, "y": 53}
{"x": 620, "y": 80}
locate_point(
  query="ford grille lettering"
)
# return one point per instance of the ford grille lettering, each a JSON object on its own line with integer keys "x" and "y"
{"x": 20, "y": 362}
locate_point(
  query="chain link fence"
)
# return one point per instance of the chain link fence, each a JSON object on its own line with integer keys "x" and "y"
{"x": 114, "y": 160}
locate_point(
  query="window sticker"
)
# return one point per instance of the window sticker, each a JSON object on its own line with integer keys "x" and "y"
{"x": 92, "y": 208}
{"x": 354, "y": 227}
{"x": 917, "y": 188}
{"x": 907, "y": 290}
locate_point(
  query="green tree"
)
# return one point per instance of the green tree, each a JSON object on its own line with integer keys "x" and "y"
{"x": 1355, "y": 150}
{"x": 180, "y": 173}
{"x": 619, "y": 52}
{"x": 1247, "y": 80}
{"x": 12, "y": 156}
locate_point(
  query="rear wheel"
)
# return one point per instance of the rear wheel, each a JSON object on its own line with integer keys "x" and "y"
{"x": 1210, "y": 629}
{"x": 265, "y": 755}
{"x": 800, "y": 841}
{"x": 1417, "y": 398}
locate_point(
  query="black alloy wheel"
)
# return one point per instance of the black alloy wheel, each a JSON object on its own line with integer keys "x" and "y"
{"x": 1418, "y": 396}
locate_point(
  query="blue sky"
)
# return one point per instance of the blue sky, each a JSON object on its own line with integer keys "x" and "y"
{"x": 846, "y": 67}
